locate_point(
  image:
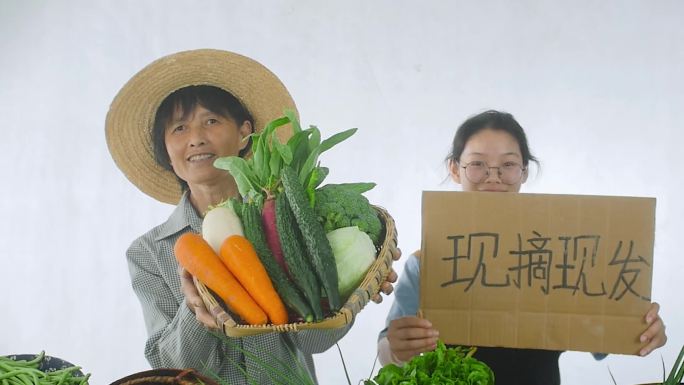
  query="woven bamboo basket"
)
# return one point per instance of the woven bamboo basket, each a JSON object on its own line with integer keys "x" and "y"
{"x": 370, "y": 286}
{"x": 165, "y": 376}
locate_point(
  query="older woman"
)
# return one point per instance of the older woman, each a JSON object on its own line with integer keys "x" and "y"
{"x": 165, "y": 128}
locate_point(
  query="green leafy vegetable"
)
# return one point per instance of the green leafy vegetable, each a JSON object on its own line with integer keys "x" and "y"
{"x": 260, "y": 174}
{"x": 445, "y": 366}
{"x": 244, "y": 175}
{"x": 309, "y": 165}
{"x": 284, "y": 151}
{"x": 295, "y": 122}
{"x": 315, "y": 138}
{"x": 677, "y": 372}
{"x": 337, "y": 138}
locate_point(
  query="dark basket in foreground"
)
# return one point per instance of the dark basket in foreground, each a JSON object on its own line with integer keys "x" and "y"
{"x": 165, "y": 376}
{"x": 370, "y": 286}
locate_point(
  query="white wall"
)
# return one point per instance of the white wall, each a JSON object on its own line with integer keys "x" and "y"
{"x": 597, "y": 85}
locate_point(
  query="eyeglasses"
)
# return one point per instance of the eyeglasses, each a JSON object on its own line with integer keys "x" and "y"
{"x": 477, "y": 171}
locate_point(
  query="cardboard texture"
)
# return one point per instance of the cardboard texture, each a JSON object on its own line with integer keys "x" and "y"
{"x": 557, "y": 272}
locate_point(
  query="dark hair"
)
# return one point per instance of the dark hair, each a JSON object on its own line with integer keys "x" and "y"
{"x": 495, "y": 120}
{"x": 214, "y": 99}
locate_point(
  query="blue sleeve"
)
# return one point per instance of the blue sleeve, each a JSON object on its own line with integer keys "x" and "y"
{"x": 406, "y": 293}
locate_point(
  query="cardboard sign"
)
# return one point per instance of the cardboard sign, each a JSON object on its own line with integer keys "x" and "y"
{"x": 557, "y": 272}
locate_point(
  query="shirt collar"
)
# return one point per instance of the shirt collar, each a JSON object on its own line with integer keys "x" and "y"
{"x": 183, "y": 216}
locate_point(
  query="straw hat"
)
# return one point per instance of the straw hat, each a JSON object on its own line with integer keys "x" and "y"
{"x": 131, "y": 116}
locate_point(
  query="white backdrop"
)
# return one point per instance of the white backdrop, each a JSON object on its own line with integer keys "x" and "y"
{"x": 597, "y": 85}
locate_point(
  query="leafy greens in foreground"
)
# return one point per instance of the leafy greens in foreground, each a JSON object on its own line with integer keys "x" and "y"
{"x": 447, "y": 366}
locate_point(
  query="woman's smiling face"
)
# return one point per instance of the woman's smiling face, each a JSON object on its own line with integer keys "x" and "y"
{"x": 496, "y": 151}
{"x": 196, "y": 140}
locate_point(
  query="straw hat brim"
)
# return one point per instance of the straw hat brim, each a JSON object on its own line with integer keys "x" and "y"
{"x": 131, "y": 115}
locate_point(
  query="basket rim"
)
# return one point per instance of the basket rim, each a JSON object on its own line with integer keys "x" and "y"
{"x": 186, "y": 375}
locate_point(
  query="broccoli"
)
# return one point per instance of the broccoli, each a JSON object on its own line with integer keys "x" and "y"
{"x": 342, "y": 205}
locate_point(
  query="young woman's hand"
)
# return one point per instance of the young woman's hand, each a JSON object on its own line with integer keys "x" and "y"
{"x": 194, "y": 301}
{"x": 654, "y": 336}
{"x": 387, "y": 287}
{"x": 410, "y": 336}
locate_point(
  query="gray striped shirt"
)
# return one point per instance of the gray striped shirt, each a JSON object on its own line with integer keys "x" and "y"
{"x": 177, "y": 340}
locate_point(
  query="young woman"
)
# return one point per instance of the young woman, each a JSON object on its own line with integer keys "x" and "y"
{"x": 489, "y": 153}
{"x": 165, "y": 128}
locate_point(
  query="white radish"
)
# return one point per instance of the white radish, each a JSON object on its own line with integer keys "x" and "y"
{"x": 220, "y": 223}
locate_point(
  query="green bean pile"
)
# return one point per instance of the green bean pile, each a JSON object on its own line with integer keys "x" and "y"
{"x": 27, "y": 373}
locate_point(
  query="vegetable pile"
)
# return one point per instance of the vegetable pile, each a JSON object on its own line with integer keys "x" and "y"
{"x": 447, "y": 366}
{"x": 288, "y": 250}
{"x": 24, "y": 372}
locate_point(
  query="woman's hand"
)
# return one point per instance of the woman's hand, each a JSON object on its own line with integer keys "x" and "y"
{"x": 194, "y": 301}
{"x": 410, "y": 336}
{"x": 654, "y": 336}
{"x": 387, "y": 287}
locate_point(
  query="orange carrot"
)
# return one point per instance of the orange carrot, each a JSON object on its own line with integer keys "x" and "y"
{"x": 198, "y": 258}
{"x": 238, "y": 254}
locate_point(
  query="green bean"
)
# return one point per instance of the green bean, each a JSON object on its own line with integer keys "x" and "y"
{"x": 24, "y": 378}
{"x": 34, "y": 362}
{"x": 14, "y": 381}
{"x": 62, "y": 378}
{"x": 6, "y": 359}
{"x": 77, "y": 380}
{"x": 37, "y": 359}
{"x": 22, "y": 372}
{"x": 5, "y": 367}
{"x": 65, "y": 370}
{"x": 10, "y": 374}
{"x": 9, "y": 368}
